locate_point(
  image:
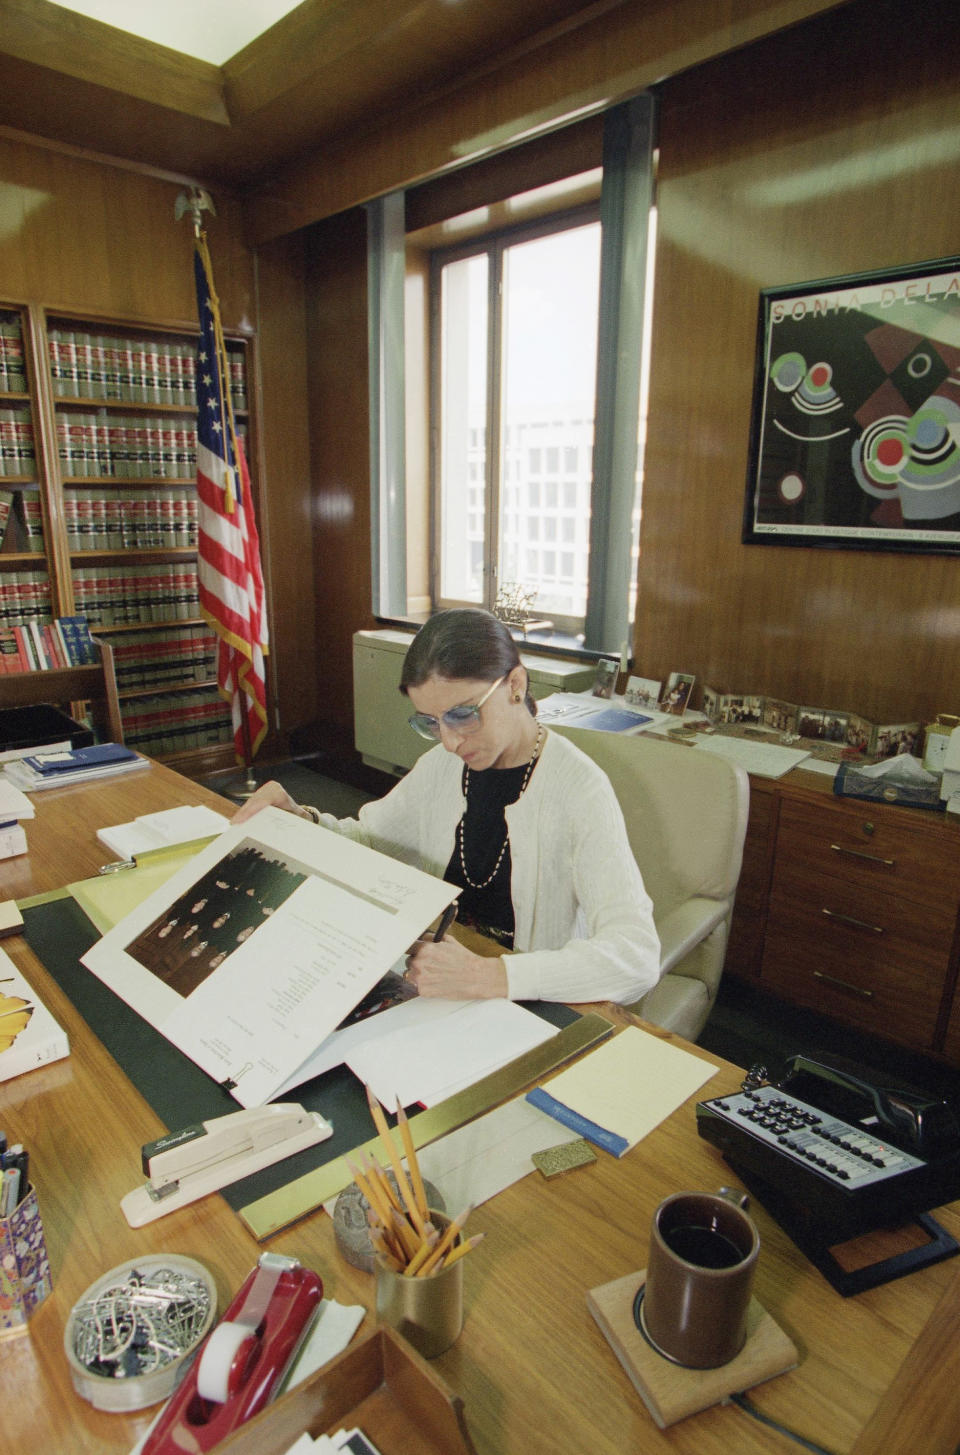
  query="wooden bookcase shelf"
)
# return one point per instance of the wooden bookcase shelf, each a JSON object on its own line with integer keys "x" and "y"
{"x": 97, "y": 421}
{"x": 93, "y": 683}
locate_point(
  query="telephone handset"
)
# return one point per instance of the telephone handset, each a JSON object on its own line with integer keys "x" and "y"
{"x": 832, "y": 1153}
{"x": 911, "y": 1119}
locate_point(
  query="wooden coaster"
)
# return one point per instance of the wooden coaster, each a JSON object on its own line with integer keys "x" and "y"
{"x": 670, "y": 1392}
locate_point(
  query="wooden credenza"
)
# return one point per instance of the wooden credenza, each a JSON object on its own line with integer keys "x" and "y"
{"x": 850, "y": 909}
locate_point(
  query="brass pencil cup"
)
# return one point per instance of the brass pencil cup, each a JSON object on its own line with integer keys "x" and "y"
{"x": 428, "y": 1311}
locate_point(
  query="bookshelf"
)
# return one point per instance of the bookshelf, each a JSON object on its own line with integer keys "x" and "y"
{"x": 92, "y": 682}
{"x": 97, "y": 481}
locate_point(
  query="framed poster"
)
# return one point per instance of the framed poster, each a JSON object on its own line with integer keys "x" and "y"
{"x": 855, "y": 437}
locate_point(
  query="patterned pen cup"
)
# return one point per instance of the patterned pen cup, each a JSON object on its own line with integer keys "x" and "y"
{"x": 25, "y": 1277}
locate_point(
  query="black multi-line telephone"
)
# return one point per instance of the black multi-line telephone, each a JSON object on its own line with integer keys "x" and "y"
{"x": 833, "y": 1155}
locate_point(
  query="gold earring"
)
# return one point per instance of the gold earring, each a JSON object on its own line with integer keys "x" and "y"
{"x": 518, "y": 697}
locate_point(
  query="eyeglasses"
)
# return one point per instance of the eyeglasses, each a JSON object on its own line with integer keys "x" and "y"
{"x": 462, "y": 720}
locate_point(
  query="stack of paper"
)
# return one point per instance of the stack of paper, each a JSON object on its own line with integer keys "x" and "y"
{"x": 8, "y": 755}
{"x": 161, "y": 830}
{"x": 75, "y": 765}
{"x": 14, "y": 806}
{"x": 353, "y": 1442}
{"x": 766, "y": 760}
{"x": 411, "y": 1058}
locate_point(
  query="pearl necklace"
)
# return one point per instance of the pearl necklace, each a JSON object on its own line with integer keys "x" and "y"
{"x": 537, "y": 747}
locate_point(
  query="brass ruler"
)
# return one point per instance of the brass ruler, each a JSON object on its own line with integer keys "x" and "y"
{"x": 268, "y": 1215}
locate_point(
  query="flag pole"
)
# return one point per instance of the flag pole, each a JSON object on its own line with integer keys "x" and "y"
{"x": 196, "y": 201}
{"x": 250, "y": 784}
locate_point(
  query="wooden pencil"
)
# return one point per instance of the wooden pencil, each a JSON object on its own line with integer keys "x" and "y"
{"x": 406, "y": 1192}
{"x": 406, "y": 1136}
{"x": 393, "y": 1259}
{"x": 379, "y": 1179}
{"x": 453, "y": 1228}
{"x": 373, "y": 1195}
{"x": 462, "y": 1249}
{"x": 408, "y": 1237}
{"x": 420, "y": 1256}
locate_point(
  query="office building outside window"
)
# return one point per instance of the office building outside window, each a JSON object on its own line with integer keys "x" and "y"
{"x": 515, "y": 338}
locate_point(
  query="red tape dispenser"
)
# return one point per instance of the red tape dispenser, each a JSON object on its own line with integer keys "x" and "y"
{"x": 243, "y": 1360}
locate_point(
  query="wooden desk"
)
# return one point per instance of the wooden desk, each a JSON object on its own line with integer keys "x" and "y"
{"x": 62, "y": 839}
{"x": 533, "y": 1369}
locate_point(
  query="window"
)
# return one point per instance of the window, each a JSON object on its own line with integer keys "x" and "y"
{"x": 514, "y": 354}
{"x": 505, "y": 385}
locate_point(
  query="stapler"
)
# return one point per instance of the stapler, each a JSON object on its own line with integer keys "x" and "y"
{"x": 185, "y": 1165}
{"x": 243, "y": 1361}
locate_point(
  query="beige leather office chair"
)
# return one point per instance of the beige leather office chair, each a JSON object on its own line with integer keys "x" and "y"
{"x": 686, "y": 816}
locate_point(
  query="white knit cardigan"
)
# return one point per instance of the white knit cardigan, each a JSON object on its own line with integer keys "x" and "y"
{"x": 584, "y": 922}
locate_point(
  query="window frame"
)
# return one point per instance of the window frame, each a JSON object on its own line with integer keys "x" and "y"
{"x": 627, "y": 216}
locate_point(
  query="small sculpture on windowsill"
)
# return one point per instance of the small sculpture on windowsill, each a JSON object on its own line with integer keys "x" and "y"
{"x": 514, "y": 606}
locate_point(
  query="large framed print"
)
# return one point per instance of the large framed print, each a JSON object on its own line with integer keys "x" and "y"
{"x": 855, "y": 438}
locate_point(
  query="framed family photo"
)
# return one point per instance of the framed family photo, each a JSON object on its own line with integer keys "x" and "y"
{"x": 676, "y": 694}
{"x": 855, "y": 436}
{"x": 605, "y": 677}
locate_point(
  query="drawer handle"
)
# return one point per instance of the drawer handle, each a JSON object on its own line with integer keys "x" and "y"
{"x": 843, "y": 984}
{"x": 859, "y": 854}
{"x": 848, "y": 919}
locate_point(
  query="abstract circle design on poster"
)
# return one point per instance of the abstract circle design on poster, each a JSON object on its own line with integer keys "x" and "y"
{"x": 914, "y": 461}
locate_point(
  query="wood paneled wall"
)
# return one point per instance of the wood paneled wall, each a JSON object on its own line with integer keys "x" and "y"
{"x": 78, "y": 234}
{"x": 340, "y": 460}
{"x": 830, "y": 149}
{"x": 287, "y": 508}
{"x": 622, "y": 48}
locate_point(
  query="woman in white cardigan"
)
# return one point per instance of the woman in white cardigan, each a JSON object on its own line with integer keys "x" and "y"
{"x": 519, "y": 818}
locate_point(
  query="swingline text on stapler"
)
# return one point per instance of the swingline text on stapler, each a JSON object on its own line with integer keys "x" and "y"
{"x": 184, "y": 1166}
{"x": 241, "y": 1366}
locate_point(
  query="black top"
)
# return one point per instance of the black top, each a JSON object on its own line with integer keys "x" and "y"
{"x": 484, "y": 832}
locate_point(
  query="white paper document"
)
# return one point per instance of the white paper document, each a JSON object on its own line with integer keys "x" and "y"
{"x": 476, "y": 1161}
{"x": 338, "y": 1047}
{"x": 14, "y": 805}
{"x": 414, "y": 1063}
{"x": 159, "y": 830}
{"x": 767, "y": 760}
{"x": 253, "y": 952}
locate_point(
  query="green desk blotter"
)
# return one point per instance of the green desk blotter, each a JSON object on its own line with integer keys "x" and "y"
{"x": 59, "y": 932}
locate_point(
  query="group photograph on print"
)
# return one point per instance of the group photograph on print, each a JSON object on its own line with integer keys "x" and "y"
{"x": 855, "y": 436}
{"x": 196, "y": 933}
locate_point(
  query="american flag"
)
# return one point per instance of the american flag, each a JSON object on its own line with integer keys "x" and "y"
{"x": 228, "y": 565}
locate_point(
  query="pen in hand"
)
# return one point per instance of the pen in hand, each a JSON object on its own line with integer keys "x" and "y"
{"x": 449, "y": 915}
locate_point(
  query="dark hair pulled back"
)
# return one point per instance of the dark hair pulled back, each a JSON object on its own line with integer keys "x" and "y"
{"x": 464, "y": 643}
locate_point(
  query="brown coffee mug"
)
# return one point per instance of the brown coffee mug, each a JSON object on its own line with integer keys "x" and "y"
{"x": 703, "y": 1254}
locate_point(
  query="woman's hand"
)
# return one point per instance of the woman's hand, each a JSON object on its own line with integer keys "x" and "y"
{"x": 449, "y": 970}
{"x": 268, "y": 795}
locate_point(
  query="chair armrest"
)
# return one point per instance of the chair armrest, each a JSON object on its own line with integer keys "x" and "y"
{"x": 685, "y": 926}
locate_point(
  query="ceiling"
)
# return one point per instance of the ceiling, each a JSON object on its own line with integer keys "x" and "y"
{"x": 325, "y": 70}
{"x": 212, "y": 31}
